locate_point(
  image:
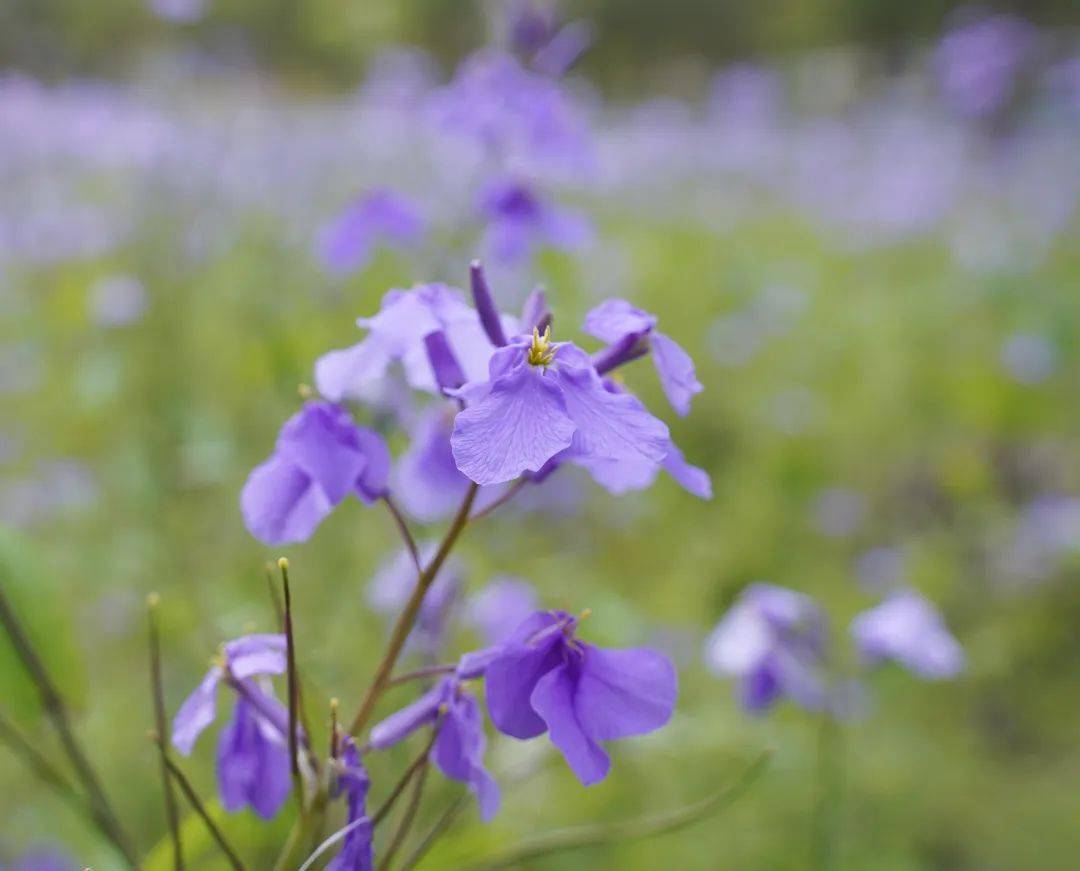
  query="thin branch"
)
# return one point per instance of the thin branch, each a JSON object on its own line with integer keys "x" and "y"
{"x": 407, "y": 818}
{"x": 406, "y": 535}
{"x": 420, "y": 674}
{"x": 275, "y": 597}
{"x": 200, "y": 809}
{"x": 290, "y": 650}
{"x": 171, "y": 814}
{"x": 561, "y": 840}
{"x": 510, "y": 493}
{"x": 416, "y": 765}
{"x": 54, "y": 706}
{"x": 407, "y": 618}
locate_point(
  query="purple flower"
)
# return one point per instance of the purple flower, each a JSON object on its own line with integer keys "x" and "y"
{"x": 427, "y": 483}
{"x": 396, "y": 335}
{"x": 321, "y": 457}
{"x": 500, "y": 607}
{"x": 380, "y": 216}
{"x": 356, "y": 852}
{"x": 459, "y": 747}
{"x": 45, "y": 859}
{"x": 393, "y": 584}
{"x": 178, "y": 11}
{"x": 519, "y": 221}
{"x": 253, "y": 761}
{"x": 907, "y": 629}
{"x": 772, "y": 641}
{"x": 978, "y": 63}
{"x": 545, "y": 679}
{"x": 543, "y": 399}
{"x": 616, "y": 320}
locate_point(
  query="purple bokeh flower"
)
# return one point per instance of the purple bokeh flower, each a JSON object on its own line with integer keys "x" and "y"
{"x": 321, "y": 457}
{"x": 772, "y": 641}
{"x": 427, "y": 483}
{"x": 179, "y": 11}
{"x": 500, "y": 607}
{"x": 978, "y": 63}
{"x": 544, "y": 399}
{"x": 379, "y": 217}
{"x": 616, "y": 320}
{"x": 519, "y": 220}
{"x": 396, "y": 335}
{"x": 545, "y": 679}
{"x": 1029, "y": 358}
{"x": 907, "y": 629}
{"x": 394, "y": 582}
{"x": 45, "y": 859}
{"x": 458, "y": 751}
{"x": 356, "y": 852}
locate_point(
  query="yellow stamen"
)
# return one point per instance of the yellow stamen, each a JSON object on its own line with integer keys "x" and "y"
{"x": 541, "y": 352}
{"x": 585, "y": 614}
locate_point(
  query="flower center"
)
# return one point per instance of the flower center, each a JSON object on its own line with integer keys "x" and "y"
{"x": 541, "y": 351}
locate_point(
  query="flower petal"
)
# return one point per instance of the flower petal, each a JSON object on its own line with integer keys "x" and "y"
{"x": 280, "y": 505}
{"x": 692, "y": 479}
{"x": 624, "y": 692}
{"x": 459, "y": 752}
{"x": 510, "y": 678}
{"x": 676, "y": 371}
{"x": 352, "y": 373}
{"x": 615, "y": 318}
{"x": 553, "y": 700}
{"x": 322, "y": 440}
{"x": 374, "y": 477}
{"x": 517, "y": 427}
{"x": 403, "y": 723}
{"x": 256, "y": 654}
{"x": 196, "y": 713}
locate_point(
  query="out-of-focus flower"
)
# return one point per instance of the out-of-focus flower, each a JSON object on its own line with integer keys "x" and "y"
{"x": 500, "y": 607}
{"x": 1029, "y": 358}
{"x": 518, "y": 221}
{"x": 772, "y": 641}
{"x": 117, "y": 300}
{"x": 252, "y": 762}
{"x": 880, "y": 568}
{"x": 907, "y": 629}
{"x": 395, "y": 581}
{"x": 380, "y": 217}
{"x": 45, "y": 859}
{"x": 321, "y": 457}
{"x": 616, "y": 320}
{"x": 1048, "y": 530}
{"x": 427, "y": 483}
{"x": 179, "y": 11}
{"x": 839, "y": 511}
{"x": 545, "y": 679}
{"x": 396, "y": 334}
{"x": 978, "y": 63}
{"x": 356, "y": 852}
{"x": 458, "y": 751}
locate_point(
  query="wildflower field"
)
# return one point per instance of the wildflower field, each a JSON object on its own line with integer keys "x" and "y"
{"x": 699, "y": 488}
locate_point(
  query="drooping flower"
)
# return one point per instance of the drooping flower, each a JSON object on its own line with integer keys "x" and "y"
{"x": 500, "y": 607}
{"x": 616, "y": 320}
{"x": 356, "y": 852}
{"x": 907, "y": 629}
{"x": 396, "y": 335}
{"x": 458, "y": 751}
{"x": 545, "y": 679}
{"x": 379, "y": 217}
{"x": 393, "y": 584}
{"x": 321, "y": 456}
{"x": 519, "y": 220}
{"x": 772, "y": 641}
{"x": 542, "y": 399}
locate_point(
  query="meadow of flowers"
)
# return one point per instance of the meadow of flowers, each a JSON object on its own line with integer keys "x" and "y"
{"x": 475, "y": 470}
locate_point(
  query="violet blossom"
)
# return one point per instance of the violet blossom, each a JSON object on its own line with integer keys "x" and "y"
{"x": 772, "y": 642}
{"x": 393, "y": 584}
{"x": 500, "y": 607}
{"x": 519, "y": 220}
{"x": 379, "y": 217}
{"x": 356, "y": 852}
{"x": 907, "y": 629}
{"x": 545, "y": 679}
{"x": 978, "y": 63}
{"x": 321, "y": 456}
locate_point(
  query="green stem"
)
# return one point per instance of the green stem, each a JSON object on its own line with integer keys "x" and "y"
{"x": 171, "y": 813}
{"x": 829, "y": 794}
{"x": 407, "y": 818}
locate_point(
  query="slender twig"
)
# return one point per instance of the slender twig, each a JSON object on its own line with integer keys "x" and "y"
{"x": 419, "y": 674}
{"x": 407, "y": 618}
{"x": 54, "y": 706}
{"x": 416, "y": 765}
{"x": 406, "y": 535}
{"x": 650, "y": 826}
{"x": 509, "y": 494}
{"x": 407, "y": 818}
{"x": 200, "y": 809}
{"x": 290, "y": 652}
{"x": 335, "y": 738}
{"x": 827, "y": 800}
{"x": 156, "y": 688}
{"x": 275, "y": 597}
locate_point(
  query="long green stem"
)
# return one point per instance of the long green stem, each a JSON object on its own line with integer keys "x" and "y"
{"x": 407, "y": 618}
{"x": 290, "y": 654}
{"x": 407, "y": 818}
{"x": 54, "y": 706}
{"x": 414, "y": 767}
{"x": 829, "y": 794}
{"x": 171, "y": 814}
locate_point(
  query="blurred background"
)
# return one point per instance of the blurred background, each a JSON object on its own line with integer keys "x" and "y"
{"x": 859, "y": 219}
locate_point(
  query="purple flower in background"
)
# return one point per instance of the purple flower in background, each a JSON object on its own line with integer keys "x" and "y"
{"x": 616, "y": 320}
{"x": 519, "y": 221}
{"x": 978, "y": 63}
{"x": 396, "y": 335}
{"x": 545, "y": 679}
{"x": 427, "y": 483}
{"x": 1029, "y": 358}
{"x": 907, "y": 629}
{"x": 321, "y": 457}
{"x": 458, "y": 751}
{"x": 253, "y": 761}
{"x": 393, "y": 584}
{"x": 772, "y": 641}
{"x": 544, "y": 399}
{"x": 839, "y": 511}
{"x": 117, "y": 300}
{"x": 379, "y": 217}
{"x": 500, "y": 607}
{"x": 356, "y": 852}
{"x": 1047, "y": 531}
{"x": 45, "y": 859}
{"x": 178, "y": 11}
